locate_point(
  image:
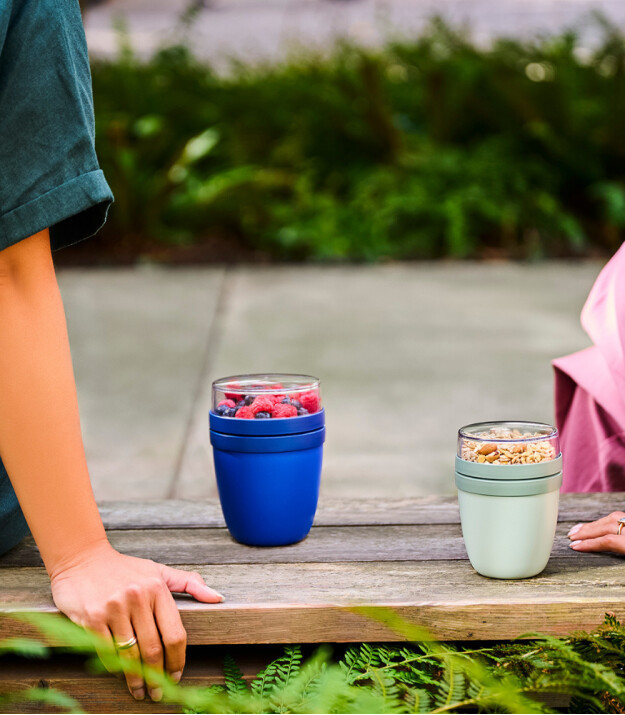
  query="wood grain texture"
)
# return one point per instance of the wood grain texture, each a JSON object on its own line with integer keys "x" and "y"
{"x": 180, "y": 513}
{"x": 283, "y": 603}
{"x": 421, "y": 542}
{"x": 303, "y": 592}
{"x": 327, "y": 623}
{"x": 104, "y": 693}
{"x": 345, "y": 583}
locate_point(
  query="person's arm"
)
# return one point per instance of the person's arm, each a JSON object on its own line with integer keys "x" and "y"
{"x": 41, "y": 446}
{"x": 600, "y": 535}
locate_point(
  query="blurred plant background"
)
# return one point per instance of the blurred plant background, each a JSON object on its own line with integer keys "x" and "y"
{"x": 433, "y": 147}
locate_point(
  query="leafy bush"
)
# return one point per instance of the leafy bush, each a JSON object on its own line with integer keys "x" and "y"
{"x": 424, "y": 149}
{"x": 427, "y": 677}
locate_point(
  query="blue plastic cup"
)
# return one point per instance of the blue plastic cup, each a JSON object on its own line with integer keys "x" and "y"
{"x": 268, "y": 473}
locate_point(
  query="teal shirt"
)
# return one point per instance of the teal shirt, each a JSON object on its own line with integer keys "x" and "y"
{"x": 49, "y": 173}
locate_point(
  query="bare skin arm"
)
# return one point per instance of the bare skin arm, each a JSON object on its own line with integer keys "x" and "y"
{"x": 41, "y": 446}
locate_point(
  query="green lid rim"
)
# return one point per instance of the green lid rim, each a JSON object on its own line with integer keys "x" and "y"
{"x": 509, "y": 471}
{"x": 509, "y": 487}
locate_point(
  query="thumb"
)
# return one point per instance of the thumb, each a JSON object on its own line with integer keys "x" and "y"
{"x": 189, "y": 582}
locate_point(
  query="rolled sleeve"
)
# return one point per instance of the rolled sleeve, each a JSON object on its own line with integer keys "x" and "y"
{"x": 49, "y": 172}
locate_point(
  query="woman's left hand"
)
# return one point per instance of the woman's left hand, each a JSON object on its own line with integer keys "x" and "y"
{"x": 600, "y": 535}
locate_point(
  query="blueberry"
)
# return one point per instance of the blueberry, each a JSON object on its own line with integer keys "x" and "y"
{"x": 221, "y": 409}
{"x": 263, "y": 415}
{"x": 248, "y": 399}
{"x": 229, "y": 412}
{"x": 285, "y": 401}
{"x": 296, "y": 403}
{"x": 240, "y": 403}
{"x": 301, "y": 411}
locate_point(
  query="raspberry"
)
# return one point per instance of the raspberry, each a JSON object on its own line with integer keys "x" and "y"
{"x": 284, "y": 411}
{"x": 245, "y": 413}
{"x": 262, "y": 404}
{"x": 233, "y": 395}
{"x": 310, "y": 401}
{"x": 227, "y": 403}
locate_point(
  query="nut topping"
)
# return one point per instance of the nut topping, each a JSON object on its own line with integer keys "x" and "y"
{"x": 487, "y": 449}
{"x": 530, "y": 448}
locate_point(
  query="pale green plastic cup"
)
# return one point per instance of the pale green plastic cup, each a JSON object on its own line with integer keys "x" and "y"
{"x": 509, "y": 511}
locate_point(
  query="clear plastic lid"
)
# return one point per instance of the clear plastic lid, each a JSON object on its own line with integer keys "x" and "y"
{"x": 266, "y": 396}
{"x": 508, "y": 443}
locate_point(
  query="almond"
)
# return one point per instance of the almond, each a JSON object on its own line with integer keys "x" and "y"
{"x": 487, "y": 449}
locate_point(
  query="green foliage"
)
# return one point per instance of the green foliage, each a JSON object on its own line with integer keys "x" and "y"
{"x": 279, "y": 673}
{"x": 26, "y": 647}
{"x": 233, "y": 677}
{"x": 425, "y": 677}
{"x": 424, "y": 149}
{"x": 45, "y": 696}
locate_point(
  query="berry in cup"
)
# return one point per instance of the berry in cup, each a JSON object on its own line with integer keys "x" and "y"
{"x": 266, "y": 396}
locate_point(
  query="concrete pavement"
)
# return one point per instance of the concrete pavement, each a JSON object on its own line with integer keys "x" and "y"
{"x": 407, "y": 353}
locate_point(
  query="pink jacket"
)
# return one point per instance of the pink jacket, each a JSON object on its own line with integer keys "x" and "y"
{"x": 590, "y": 390}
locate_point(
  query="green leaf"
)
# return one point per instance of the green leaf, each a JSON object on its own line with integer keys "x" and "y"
{"x": 233, "y": 677}
{"x": 199, "y": 146}
{"x": 24, "y": 646}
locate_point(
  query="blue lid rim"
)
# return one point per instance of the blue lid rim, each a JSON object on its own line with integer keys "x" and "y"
{"x": 268, "y": 444}
{"x": 266, "y": 428}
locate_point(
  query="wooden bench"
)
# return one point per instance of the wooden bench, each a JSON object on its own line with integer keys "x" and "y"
{"x": 407, "y": 554}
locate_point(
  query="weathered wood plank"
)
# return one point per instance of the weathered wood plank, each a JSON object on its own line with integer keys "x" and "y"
{"x": 339, "y": 624}
{"x": 105, "y": 693}
{"x": 280, "y": 603}
{"x": 345, "y": 583}
{"x": 180, "y": 513}
{"x": 426, "y": 542}
{"x": 216, "y": 546}
{"x": 588, "y": 507}
{"x": 278, "y": 595}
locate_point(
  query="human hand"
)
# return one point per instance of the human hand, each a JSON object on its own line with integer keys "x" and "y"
{"x": 600, "y": 535}
{"x": 121, "y": 598}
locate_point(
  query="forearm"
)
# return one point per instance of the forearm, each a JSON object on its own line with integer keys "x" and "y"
{"x": 119, "y": 597}
{"x": 40, "y": 437}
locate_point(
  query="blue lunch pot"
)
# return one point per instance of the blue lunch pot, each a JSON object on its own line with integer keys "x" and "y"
{"x": 268, "y": 473}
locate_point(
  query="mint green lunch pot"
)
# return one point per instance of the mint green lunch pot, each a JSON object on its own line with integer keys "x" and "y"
{"x": 508, "y": 476}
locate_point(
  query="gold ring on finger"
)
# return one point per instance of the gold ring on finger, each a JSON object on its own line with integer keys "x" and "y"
{"x": 621, "y": 524}
{"x": 133, "y": 641}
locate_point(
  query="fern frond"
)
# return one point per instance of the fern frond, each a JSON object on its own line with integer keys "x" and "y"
{"x": 417, "y": 700}
{"x": 265, "y": 680}
{"x": 451, "y": 688}
{"x": 233, "y": 677}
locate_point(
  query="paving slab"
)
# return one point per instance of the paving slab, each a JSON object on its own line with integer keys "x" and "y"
{"x": 407, "y": 354}
{"x": 138, "y": 340}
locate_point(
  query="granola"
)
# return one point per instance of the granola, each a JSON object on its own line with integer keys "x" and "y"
{"x": 507, "y": 446}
